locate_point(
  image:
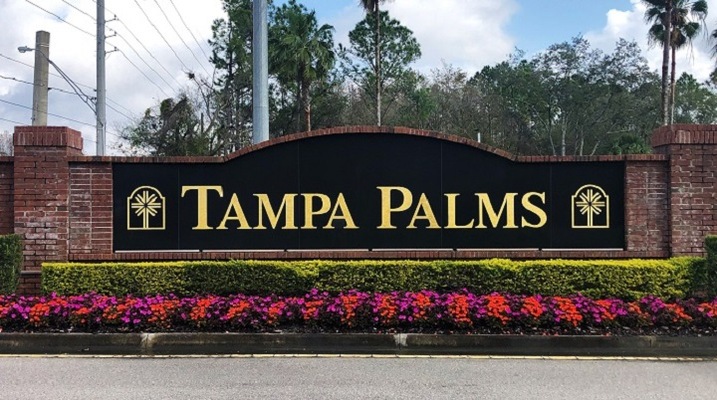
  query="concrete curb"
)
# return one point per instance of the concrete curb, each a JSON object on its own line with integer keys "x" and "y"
{"x": 396, "y": 344}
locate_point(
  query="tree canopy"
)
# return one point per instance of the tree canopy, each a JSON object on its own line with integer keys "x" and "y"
{"x": 570, "y": 98}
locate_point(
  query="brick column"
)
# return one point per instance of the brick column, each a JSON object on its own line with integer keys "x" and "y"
{"x": 41, "y": 194}
{"x": 692, "y": 175}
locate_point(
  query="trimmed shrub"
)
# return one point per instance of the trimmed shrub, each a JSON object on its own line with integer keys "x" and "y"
{"x": 627, "y": 279}
{"x": 181, "y": 278}
{"x": 10, "y": 263}
{"x": 711, "y": 265}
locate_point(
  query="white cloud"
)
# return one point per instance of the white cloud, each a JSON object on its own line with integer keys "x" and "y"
{"x": 467, "y": 34}
{"x": 74, "y": 52}
{"x": 631, "y": 25}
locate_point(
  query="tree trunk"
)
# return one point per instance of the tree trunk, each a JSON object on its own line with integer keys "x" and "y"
{"x": 378, "y": 64}
{"x": 307, "y": 105}
{"x": 672, "y": 86}
{"x": 299, "y": 105}
{"x": 665, "y": 61}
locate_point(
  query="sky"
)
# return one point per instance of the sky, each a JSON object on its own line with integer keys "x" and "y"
{"x": 152, "y": 43}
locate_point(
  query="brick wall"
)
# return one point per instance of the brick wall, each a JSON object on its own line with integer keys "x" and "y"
{"x": 647, "y": 206}
{"x": 90, "y": 202}
{"x": 60, "y": 201}
{"x": 41, "y": 191}
{"x": 7, "y": 224}
{"x": 692, "y": 152}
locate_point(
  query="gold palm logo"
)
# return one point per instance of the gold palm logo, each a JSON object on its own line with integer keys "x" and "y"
{"x": 146, "y": 204}
{"x": 591, "y": 203}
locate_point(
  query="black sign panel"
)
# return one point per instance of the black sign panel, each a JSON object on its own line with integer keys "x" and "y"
{"x": 369, "y": 191}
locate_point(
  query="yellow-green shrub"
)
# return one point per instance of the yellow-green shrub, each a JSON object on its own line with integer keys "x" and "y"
{"x": 628, "y": 279}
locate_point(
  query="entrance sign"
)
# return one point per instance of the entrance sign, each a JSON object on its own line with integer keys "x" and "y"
{"x": 369, "y": 191}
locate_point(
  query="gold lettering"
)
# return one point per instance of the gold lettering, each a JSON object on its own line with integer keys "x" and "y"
{"x": 345, "y": 214}
{"x": 235, "y": 207}
{"x": 539, "y": 212}
{"x": 452, "y": 213}
{"x": 286, "y": 207}
{"x": 309, "y": 211}
{"x": 508, "y": 206}
{"x": 386, "y": 208}
{"x": 202, "y": 204}
{"x": 425, "y": 206}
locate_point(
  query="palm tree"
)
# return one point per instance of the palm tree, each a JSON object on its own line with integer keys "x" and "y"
{"x": 301, "y": 53}
{"x": 658, "y": 10}
{"x": 674, "y": 33}
{"x": 372, "y": 6}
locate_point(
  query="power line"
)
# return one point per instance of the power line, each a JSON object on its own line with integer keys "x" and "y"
{"x": 119, "y": 105}
{"x": 144, "y": 61}
{"x": 12, "y": 122}
{"x": 119, "y": 112}
{"x": 190, "y": 31}
{"x": 59, "y": 76}
{"x": 51, "y": 73}
{"x": 81, "y": 11}
{"x": 54, "y": 115}
{"x": 62, "y": 19}
{"x": 161, "y": 35}
{"x": 142, "y": 72}
{"x": 180, "y": 36}
{"x": 63, "y": 91}
{"x": 12, "y": 78}
{"x": 146, "y": 49}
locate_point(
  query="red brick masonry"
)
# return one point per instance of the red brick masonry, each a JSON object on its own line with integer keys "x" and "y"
{"x": 61, "y": 201}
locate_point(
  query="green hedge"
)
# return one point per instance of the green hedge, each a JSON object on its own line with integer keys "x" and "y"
{"x": 710, "y": 266}
{"x": 628, "y": 279}
{"x": 10, "y": 262}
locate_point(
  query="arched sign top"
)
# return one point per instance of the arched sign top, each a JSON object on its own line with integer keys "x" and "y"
{"x": 372, "y": 129}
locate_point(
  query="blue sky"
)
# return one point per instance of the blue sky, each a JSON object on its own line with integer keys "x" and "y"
{"x": 536, "y": 23}
{"x": 465, "y": 34}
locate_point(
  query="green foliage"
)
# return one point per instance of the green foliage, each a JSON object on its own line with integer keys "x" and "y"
{"x": 10, "y": 262}
{"x": 710, "y": 265}
{"x": 181, "y": 278}
{"x": 301, "y": 53}
{"x": 695, "y": 103}
{"x": 173, "y": 128}
{"x": 398, "y": 49}
{"x": 628, "y": 279}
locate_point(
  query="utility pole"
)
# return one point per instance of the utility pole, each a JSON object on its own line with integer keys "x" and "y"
{"x": 40, "y": 83}
{"x": 260, "y": 56}
{"x": 101, "y": 85}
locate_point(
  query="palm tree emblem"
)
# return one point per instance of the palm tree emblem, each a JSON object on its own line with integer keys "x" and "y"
{"x": 146, "y": 203}
{"x": 591, "y": 202}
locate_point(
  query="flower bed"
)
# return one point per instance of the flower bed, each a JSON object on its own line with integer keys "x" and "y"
{"x": 354, "y": 311}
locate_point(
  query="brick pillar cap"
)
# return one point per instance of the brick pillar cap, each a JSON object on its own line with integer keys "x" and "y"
{"x": 684, "y": 134}
{"x": 47, "y": 136}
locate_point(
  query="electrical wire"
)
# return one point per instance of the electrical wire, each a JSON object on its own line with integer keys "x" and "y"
{"x": 59, "y": 76}
{"x": 12, "y": 122}
{"x": 189, "y": 30}
{"x": 62, "y": 19}
{"x": 180, "y": 36}
{"x": 187, "y": 69}
{"x": 12, "y": 78}
{"x": 119, "y": 112}
{"x": 144, "y": 61}
{"x": 142, "y": 72}
{"x": 145, "y": 49}
{"x": 54, "y": 115}
{"x": 81, "y": 11}
{"x": 51, "y": 73}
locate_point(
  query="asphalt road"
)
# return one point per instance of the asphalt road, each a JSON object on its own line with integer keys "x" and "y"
{"x": 352, "y": 378}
